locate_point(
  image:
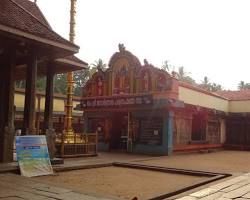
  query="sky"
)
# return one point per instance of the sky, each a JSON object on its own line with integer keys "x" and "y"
{"x": 207, "y": 37}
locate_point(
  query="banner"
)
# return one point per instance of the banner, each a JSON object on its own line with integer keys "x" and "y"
{"x": 33, "y": 156}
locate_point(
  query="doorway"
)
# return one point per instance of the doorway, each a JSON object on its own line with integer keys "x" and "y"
{"x": 198, "y": 128}
{"x": 119, "y": 131}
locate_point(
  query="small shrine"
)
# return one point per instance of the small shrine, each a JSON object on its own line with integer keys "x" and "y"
{"x": 129, "y": 105}
{"x": 137, "y": 107}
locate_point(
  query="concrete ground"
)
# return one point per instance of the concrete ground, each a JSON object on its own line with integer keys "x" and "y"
{"x": 236, "y": 188}
{"x": 122, "y": 182}
{"x": 234, "y": 162}
{"x": 15, "y": 187}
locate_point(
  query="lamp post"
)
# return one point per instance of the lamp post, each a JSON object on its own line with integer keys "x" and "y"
{"x": 69, "y": 106}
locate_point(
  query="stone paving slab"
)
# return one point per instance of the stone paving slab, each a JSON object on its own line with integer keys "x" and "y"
{"x": 15, "y": 187}
{"x": 85, "y": 162}
{"x": 235, "y": 188}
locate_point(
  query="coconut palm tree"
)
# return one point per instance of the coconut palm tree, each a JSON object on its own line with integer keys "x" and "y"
{"x": 183, "y": 76}
{"x": 241, "y": 85}
{"x": 166, "y": 66}
{"x": 97, "y": 65}
{"x": 205, "y": 84}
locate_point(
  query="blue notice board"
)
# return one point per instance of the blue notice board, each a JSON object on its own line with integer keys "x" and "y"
{"x": 33, "y": 156}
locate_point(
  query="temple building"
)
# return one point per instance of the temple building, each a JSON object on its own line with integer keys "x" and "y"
{"x": 143, "y": 109}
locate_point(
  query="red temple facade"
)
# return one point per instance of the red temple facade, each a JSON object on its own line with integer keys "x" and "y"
{"x": 143, "y": 109}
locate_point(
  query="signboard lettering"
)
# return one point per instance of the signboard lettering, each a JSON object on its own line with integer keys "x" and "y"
{"x": 117, "y": 101}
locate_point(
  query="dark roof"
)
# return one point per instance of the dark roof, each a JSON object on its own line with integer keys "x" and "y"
{"x": 25, "y": 16}
{"x": 61, "y": 65}
{"x": 235, "y": 95}
{"x": 75, "y": 59}
{"x": 70, "y": 63}
{"x": 34, "y": 10}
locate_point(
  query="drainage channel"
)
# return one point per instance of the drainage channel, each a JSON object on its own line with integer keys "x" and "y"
{"x": 211, "y": 176}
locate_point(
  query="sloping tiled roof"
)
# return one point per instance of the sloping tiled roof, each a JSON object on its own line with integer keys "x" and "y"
{"x": 73, "y": 63}
{"x": 20, "y": 15}
{"x": 235, "y": 95}
{"x": 75, "y": 59}
{"x": 34, "y": 10}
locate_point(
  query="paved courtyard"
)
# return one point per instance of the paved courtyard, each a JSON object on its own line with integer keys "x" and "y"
{"x": 236, "y": 163}
{"x": 235, "y": 188}
{"x": 15, "y": 187}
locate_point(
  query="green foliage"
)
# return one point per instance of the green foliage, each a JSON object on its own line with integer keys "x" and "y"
{"x": 20, "y": 84}
{"x": 211, "y": 87}
{"x": 41, "y": 84}
{"x": 216, "y": 87}
{"x": 166, "y": 66}
{"x": 80, "y": 79}
{"x": 242, "y": 85}
{"x": 60, "y": 83}
{"x": 184, "y": 76}
{"x": 98, "y": 64}
{"x": 60, "y": 80}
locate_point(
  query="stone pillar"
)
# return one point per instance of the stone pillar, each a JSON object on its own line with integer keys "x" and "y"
{"x": 48, "y": 112}
{"x": 170, "y": 125}
{"x": 30, "y": 95}
{"x": 7, "y": 111}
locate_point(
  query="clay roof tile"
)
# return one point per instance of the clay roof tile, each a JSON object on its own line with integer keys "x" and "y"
{"x": 25, "y": 16}
{"x": 235, "y": 95}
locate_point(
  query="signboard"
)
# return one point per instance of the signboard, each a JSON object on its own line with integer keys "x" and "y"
{"x": 117, "y": 101}
{"x": 33, "y": 156}
{"x": 151, "y": 131}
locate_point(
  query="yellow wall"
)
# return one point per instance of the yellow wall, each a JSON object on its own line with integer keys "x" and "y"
{"x": 58, "y": 103}
{"x": 187, "y": 95}
{"x": 193, "y": 97}
{"x": 19, "y": 100}
{"x": 239, "y": 106}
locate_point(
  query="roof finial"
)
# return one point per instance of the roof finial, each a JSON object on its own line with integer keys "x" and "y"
{"x": 121, "y": 48}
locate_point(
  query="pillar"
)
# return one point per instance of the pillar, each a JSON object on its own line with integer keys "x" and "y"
{"x": 170, "y": 124}
{"x": 38, "y": 114}
{"x": 30, "y": 95}
{"x": 48, "y": 112}
{"x": 7, "y": 111}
